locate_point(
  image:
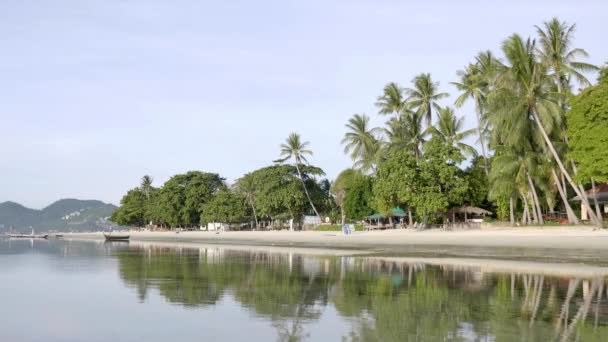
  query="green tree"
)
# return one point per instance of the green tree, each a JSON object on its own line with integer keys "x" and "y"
{"x": 449, "y": 130}
{"x": 294, "y": 148}
{"x": 224, "y": 207}
{"x": 248, "y": 189}
{"x": 146, "y": 185}
{"x": 478, "y": 187}
{"x": 424, "y": 96}
{"x": 358, "y": 200}
{"x": 587, "y": 130}
{"x": 392, "y": 101}
{"x": 132, "y": 209}
{"x": 360, "y": 141}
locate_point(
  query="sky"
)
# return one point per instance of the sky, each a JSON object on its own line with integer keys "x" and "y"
{"x": 95, "y": 94}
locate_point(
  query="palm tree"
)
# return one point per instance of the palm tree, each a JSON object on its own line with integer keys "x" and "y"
{"x": 146, "y": 185}
{"x": 391, "y": 101}
{"x": 338, "y": 190}
{"x": 361, "y": 142}
{"x": 474, "y": 84}
{"x": 555, "y": 40}
{"x": 406, "y": 133}
{"x": 523, "y": 95}
{"x": 424, "y": 96}
{"x": 449, "y": 130}
{"x": 294, "y": 148}
{"x": 247, "y": 188}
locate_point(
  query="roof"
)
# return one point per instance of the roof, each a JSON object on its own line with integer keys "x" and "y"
{"x": 601, "y": 194}
{"x": 469, "y": 210}
{"x": 395, "y": 212}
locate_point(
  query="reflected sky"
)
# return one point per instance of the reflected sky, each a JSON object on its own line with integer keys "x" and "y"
{"x": 77, "y": 291}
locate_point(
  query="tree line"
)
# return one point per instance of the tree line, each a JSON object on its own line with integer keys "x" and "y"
{"x": 540, "y": 145}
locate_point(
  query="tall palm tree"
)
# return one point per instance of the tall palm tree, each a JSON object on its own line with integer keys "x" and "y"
{"x": 405, "y": 134}
{"x": 361, "y": 142}
{"x": 523, "y": 93}
{"x": 294, "y": 148}
{"x": 555, "y": 50}
{"x": 247, "y": 188}
{"x": 474, "y": 84}
{"x": 146, "y": 185}
{"x": 424, "y": 96}
{"x": 449, "y": 129}
{"x": 391, "y": 101}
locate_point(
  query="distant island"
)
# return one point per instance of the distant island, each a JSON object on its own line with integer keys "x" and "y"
{"x": 63, "y": 215}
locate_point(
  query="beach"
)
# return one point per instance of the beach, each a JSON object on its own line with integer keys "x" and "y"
{"x": 584, "y": 238}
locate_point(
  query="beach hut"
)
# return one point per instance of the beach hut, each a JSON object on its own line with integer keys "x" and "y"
{"x": 395, "y": 213}
{"x": 601, "y": 195}
{"x": 469, "y": 213}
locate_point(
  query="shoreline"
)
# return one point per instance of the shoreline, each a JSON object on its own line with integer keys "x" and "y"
{"x": 583, "y": 238}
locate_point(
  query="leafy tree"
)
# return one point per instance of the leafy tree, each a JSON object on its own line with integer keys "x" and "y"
{"x": 358, "y": 200}
{"x": 588, "y": 131}
{"x": 181, "y": 199}
{"x": 246, "y": 187}
{"x": 295, "y": 149}
{"x": 224, "y": 207}
{"x": 132, "y": 209}
{"x": 478, "y": 187}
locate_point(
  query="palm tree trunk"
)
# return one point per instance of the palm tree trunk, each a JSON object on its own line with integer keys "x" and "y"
{"x": 255, "y": 215}
{"x": 511, "y": 214}
{"x": 535, "y": 200}
{"x": 306, "y": 191}
{"x": 597, "y": 206}
{"x": 533, "y": 209}
{"x": 571, "y": 216}
{"x": 526, "y": 215}
{"x": 409, "y": 215}
{"x": 342, "y": 215}
{"x": 481, "y": 141}
{"x": 582, "y": 195}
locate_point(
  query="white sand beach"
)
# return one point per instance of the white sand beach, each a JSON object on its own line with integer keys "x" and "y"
{"x": 550, "y": 237}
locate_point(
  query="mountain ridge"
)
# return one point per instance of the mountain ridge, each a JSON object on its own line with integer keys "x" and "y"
{"x": 67, "y": 214}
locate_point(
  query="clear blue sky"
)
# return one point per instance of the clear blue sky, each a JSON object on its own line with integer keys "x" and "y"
{"x": 94, "y": 94}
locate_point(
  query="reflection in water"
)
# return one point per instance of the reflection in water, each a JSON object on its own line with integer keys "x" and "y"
{"x": 386, "y": 300}
{"x": 69, "y": 287}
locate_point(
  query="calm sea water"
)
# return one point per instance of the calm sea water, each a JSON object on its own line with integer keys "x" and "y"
{"x": 90, "y": 291}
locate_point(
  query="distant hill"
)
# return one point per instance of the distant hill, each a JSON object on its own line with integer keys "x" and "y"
{"x": 63, "y": 215}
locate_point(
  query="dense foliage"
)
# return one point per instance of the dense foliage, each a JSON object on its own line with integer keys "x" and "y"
{"x": 538, "y": 144}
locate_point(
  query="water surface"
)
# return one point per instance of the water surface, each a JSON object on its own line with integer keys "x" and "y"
{"x": 93, "y": 291}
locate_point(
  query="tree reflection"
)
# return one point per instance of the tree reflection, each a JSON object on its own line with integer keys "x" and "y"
{"x": 386, "y": 300}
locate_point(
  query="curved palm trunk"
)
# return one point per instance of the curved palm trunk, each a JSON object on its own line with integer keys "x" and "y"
{"x": 479, "y": 132}
{"x": 597, "y": 206}
{"x": 533, "y": 209}
{"x": 571, "y": 215}
{"x": 582, "y": 195}
{"x": 306, "y": 191}
{"x": 535, "y": 200}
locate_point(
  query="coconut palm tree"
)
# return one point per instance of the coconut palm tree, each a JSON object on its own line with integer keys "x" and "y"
{"x": 361, "y": 142}
{"x": 146, "y": 185}
{"x": 449, "y": 129}
{"x": 556, "y": 52}
{"x": 247, "y": 188}
{"x": 474, "y": 84}
{"x": 391, "y": 101}
{"x": 294, "y": 148}
{"x": 424, "y": 96}
{"x": 523, "y": 96}
{"x": 405, "y": 134}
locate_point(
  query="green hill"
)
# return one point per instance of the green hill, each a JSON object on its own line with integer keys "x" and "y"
{"x": 63, "y": 215}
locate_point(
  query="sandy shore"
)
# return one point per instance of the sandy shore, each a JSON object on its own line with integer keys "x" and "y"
{"x": 584, "y": 238}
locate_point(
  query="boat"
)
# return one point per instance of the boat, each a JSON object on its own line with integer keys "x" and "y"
{"x": 116, "y": 237}
{"x": 29, "y": 236}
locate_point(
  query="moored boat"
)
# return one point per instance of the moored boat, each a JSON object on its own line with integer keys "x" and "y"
{"x": 116, "y": 237}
